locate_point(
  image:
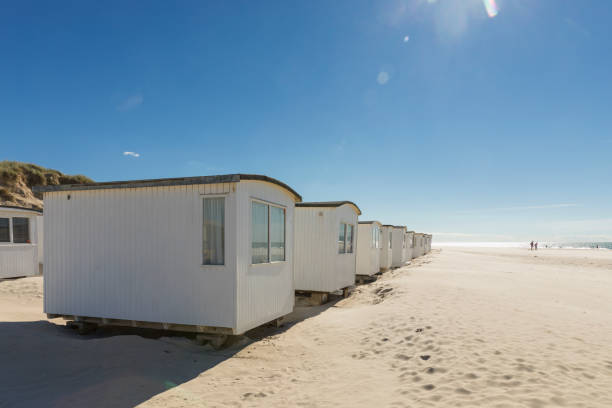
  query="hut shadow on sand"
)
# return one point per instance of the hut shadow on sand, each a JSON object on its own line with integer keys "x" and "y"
{"x": 48, "y": 364}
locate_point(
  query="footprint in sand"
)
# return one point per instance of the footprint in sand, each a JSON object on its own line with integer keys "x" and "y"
{"x": 425, "y": 357}
{"x": 471, "y": 376}
{"x": 462, "y": 391}
{"x": 429, "y": 387}
{"x": 433, "y": 370}
{"x": 589, "y": 376}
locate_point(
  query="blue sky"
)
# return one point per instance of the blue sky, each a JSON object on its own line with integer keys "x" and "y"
{"x": 425, "y": 113}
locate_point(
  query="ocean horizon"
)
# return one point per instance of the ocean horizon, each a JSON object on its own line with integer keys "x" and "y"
{"x": 541, "y": 245}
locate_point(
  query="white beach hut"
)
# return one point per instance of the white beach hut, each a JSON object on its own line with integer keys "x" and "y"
{"x": 419, "y": 239}
{"x": 386, "y": 247}
{"x": 18, "y": 241}
{"x": 368, "y": 249}
{"x": 409, "y": 245}
{"x": 325, "y": 237}
{"x": 209, "y": 254}
{"x": 398, "y": 244}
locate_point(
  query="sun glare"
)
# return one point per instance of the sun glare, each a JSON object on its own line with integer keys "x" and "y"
{"x": 491, "y": 7}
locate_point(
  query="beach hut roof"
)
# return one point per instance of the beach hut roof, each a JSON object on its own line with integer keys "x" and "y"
{"x": 180, "y": 181}
{"x": 370, "y": 222}
{"x": 15, "y": 207}
{"x": 324, "y": 204}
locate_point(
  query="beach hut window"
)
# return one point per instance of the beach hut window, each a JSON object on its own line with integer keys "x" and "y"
{"x": 277, "y": 234}
{"x": 345, "y": 239}
{"x": 375, "y": 237}
{"x": 349, "y": 239}
{"x": 21, "y": 230}
{"x": 342, "y": 239}
{"x": 5, "y": 233}
{"x": 213, "y": 234}
{"x": 259, "y": 219}
{"x": 267, "y": 233}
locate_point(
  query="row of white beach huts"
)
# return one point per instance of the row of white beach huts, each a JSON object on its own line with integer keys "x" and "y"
{"x": 214, "y": 255}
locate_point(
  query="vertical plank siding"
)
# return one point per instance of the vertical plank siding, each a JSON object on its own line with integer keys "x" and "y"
{"x": 264, "y": 291}
{"x": 318, "y": 266}
{"x": 18, "y": 260}
{"x": 409, "y": 244}
{"x": 368, "y": 257}
{"x": 386, "y": 253}
{"x": 399, "y": 250}
{"x": 135, "y": 254}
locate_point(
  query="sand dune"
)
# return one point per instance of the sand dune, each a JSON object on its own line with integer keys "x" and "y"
{"x": 460, "y": 327}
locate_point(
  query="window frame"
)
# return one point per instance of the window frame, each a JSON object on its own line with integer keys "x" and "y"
{"x": 268, "y": 204}
{"x": 9, "y": 230}
{"x": 376, "y": 237}
{"x": 202, "y": 198}
{"x": 345, "y": 225}
{"x": 352, "y": 251}
{"x": 342, "y": 228}
{"x": 12, "y": 231}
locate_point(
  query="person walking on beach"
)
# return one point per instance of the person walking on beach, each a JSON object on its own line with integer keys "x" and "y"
{"x": 535, "y": 246}
{"x": 531, "y": 246}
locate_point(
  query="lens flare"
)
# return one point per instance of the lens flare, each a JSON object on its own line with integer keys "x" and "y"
{"x": 491, "y": 7}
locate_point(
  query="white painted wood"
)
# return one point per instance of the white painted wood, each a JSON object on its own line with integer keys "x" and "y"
{"x": 39, "y": 236}
{"x": 136, "y": 254}
{"x": 264, "y": 291}
{"x": 368, "y": 254}
{"x": 409, "y": 245}
{"x": 386, "y": 252}
{"x": 398, "y": 247}
{"x": 419, "y": 245}
{"x": 318, "y": 265}
{"x": 18, "y": 260}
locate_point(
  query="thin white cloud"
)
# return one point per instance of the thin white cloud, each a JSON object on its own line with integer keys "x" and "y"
{"x": 383, "y": 77}
{"x": 132, "y": 154}
{"x": 130, "y": 103}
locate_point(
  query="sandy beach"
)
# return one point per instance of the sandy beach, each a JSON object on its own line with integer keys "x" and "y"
{"x": 459, "y": 327}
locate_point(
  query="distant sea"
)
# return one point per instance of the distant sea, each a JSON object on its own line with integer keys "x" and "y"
{"x": 567, "y": 245}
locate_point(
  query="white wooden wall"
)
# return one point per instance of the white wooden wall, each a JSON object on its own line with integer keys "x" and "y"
{"x": 398, "y": 250}
{"x": 318, "y": 266}
{"x": 39, "y": 237}
{"x": 409, "y": 243}
{"x": 418, "y": 245}
{"x": 19, "y": 259}
{"x": 386, "y": 253}
{"x": 264, "y": 291}
{"x": 368, "y": 257}
{"x": 136, "y": 254}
